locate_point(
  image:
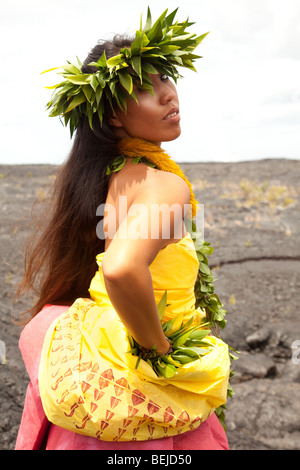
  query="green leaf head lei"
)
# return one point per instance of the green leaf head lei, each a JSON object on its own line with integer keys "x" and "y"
{"x": 157, "y": 48}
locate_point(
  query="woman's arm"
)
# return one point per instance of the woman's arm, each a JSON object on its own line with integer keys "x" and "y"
{"x": 126, "y": 262}
{"x": 131, "y": 293}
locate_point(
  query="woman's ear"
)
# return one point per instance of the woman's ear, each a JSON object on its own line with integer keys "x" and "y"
{"x": 114, "y": 121}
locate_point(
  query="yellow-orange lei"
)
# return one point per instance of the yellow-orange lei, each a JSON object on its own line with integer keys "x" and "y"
{"x": 133, "y": 147}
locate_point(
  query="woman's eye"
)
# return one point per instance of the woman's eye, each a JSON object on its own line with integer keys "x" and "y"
{"x": 164, "y": 77}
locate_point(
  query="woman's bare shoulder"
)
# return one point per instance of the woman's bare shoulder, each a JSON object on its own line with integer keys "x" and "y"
{"x": 162, "y": 186}
{"x": 139, "y": 180}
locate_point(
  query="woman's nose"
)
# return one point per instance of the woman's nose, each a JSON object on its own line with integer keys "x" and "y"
{"x": 168, "y": 92}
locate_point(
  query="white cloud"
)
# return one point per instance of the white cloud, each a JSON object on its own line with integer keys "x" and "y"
{"x": 284, "y": 36}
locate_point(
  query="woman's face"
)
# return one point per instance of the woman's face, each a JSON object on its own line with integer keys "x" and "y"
{"x": 155, "y": 118}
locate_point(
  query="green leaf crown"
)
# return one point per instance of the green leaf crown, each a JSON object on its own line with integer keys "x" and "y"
{"x": 158, "y": 48}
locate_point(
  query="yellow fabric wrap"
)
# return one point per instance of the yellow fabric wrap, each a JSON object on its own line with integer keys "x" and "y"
{"x": 88, "y": 382}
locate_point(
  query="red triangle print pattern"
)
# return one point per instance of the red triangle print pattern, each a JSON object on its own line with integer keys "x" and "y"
{"x": 94, "y": 398}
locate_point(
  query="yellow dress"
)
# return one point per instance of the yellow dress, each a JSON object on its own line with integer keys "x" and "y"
{"x": 87, "y": 379}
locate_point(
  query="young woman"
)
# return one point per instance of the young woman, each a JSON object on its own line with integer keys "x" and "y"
{"x": 87, "y": 391}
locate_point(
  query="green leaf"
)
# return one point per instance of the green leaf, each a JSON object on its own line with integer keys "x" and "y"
{"x": 121, "y": 99}
{"x": 184, "y": 40}
{"x": 70, "y": 68}
{"x": 198, "y": 334}
{"x": 102, "y": 61}
{"x": 88, "y": 91}
{"x": 101, "y": 80}
{"x": 117, "y": 165}
{"x": 168, "y": 325}
{"x": 94, "y": 82}
{"x": 181, "y": 339}
{"x": 204, "y": 269}
{"x": 188, "y": 351}
{"x": 115, "y": 60}
{"x": 169, "y": 19}
{"x": 168, "y": 49}
{"x": 126, "y": 53}
{"x": 90, "y": 115}
{"x": 166, "y": 371}
{"x": 82, "y": 79}
{"x": 161, "y": 307}
{"x": 55, "y": 86}
{"x": 99, "y": 95}
{"x": 169, "y": 360}
{"x": 126, "y": 81}
{"x": 208, "y": 250}
{"x": 148, "y": 21}
{"x": 73, "y": 124}
{"x": 155, "y": 33}
{"x": 68, "y": 87}
{"x": 79, "y": 62}
{"x": 100, "y": 111}
{"x": 199, "y": 39}
{"x": 148, "y": 67}
{"x": 131, "y": 341}
{"x": 112, "y": 87}
{"x": 133, "y": 351}
{"x": 203, "y": 287}
{"x": 137, "y": 44}
{"x": 137, "y": 362}
{"x": 182, "y": 358}
{"x": 77, "y": 100}
{"x": 135, "y": 161}
{"x": 176, "y": 325}
{"x": 94, "y": 64}
{"x": 137, "y": 66}
{"x": 147, "y": 49}
{"x": 192, "y": 343}
{"x": 75, "y": 90}
{"x": 50, "y": 70}
{"x": 141, "y": 23}
{"x": 183, "y": 329}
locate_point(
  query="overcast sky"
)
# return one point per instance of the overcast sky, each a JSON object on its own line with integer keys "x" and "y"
{"x": 243, "y": 104}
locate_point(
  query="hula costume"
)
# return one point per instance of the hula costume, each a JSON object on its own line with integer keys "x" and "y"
{"x": 85, "y": 381}
{"x": 87, "y": 390}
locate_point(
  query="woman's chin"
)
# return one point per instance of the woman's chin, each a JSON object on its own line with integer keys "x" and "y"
{"x": 174, "y": 136}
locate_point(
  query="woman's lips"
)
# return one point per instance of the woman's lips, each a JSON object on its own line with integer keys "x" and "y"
{"x": 173, "y": 115}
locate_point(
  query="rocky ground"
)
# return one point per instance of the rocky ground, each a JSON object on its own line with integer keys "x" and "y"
{"x": 252, "y": 221}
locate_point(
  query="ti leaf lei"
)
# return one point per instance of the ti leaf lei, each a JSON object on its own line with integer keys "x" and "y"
{"x": 157, "y": 48}
{"x": 120, "y": 161}
{"x": 209, "y": 301}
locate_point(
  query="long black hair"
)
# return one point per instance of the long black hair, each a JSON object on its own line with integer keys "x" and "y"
{"x": 60, "y": 257}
